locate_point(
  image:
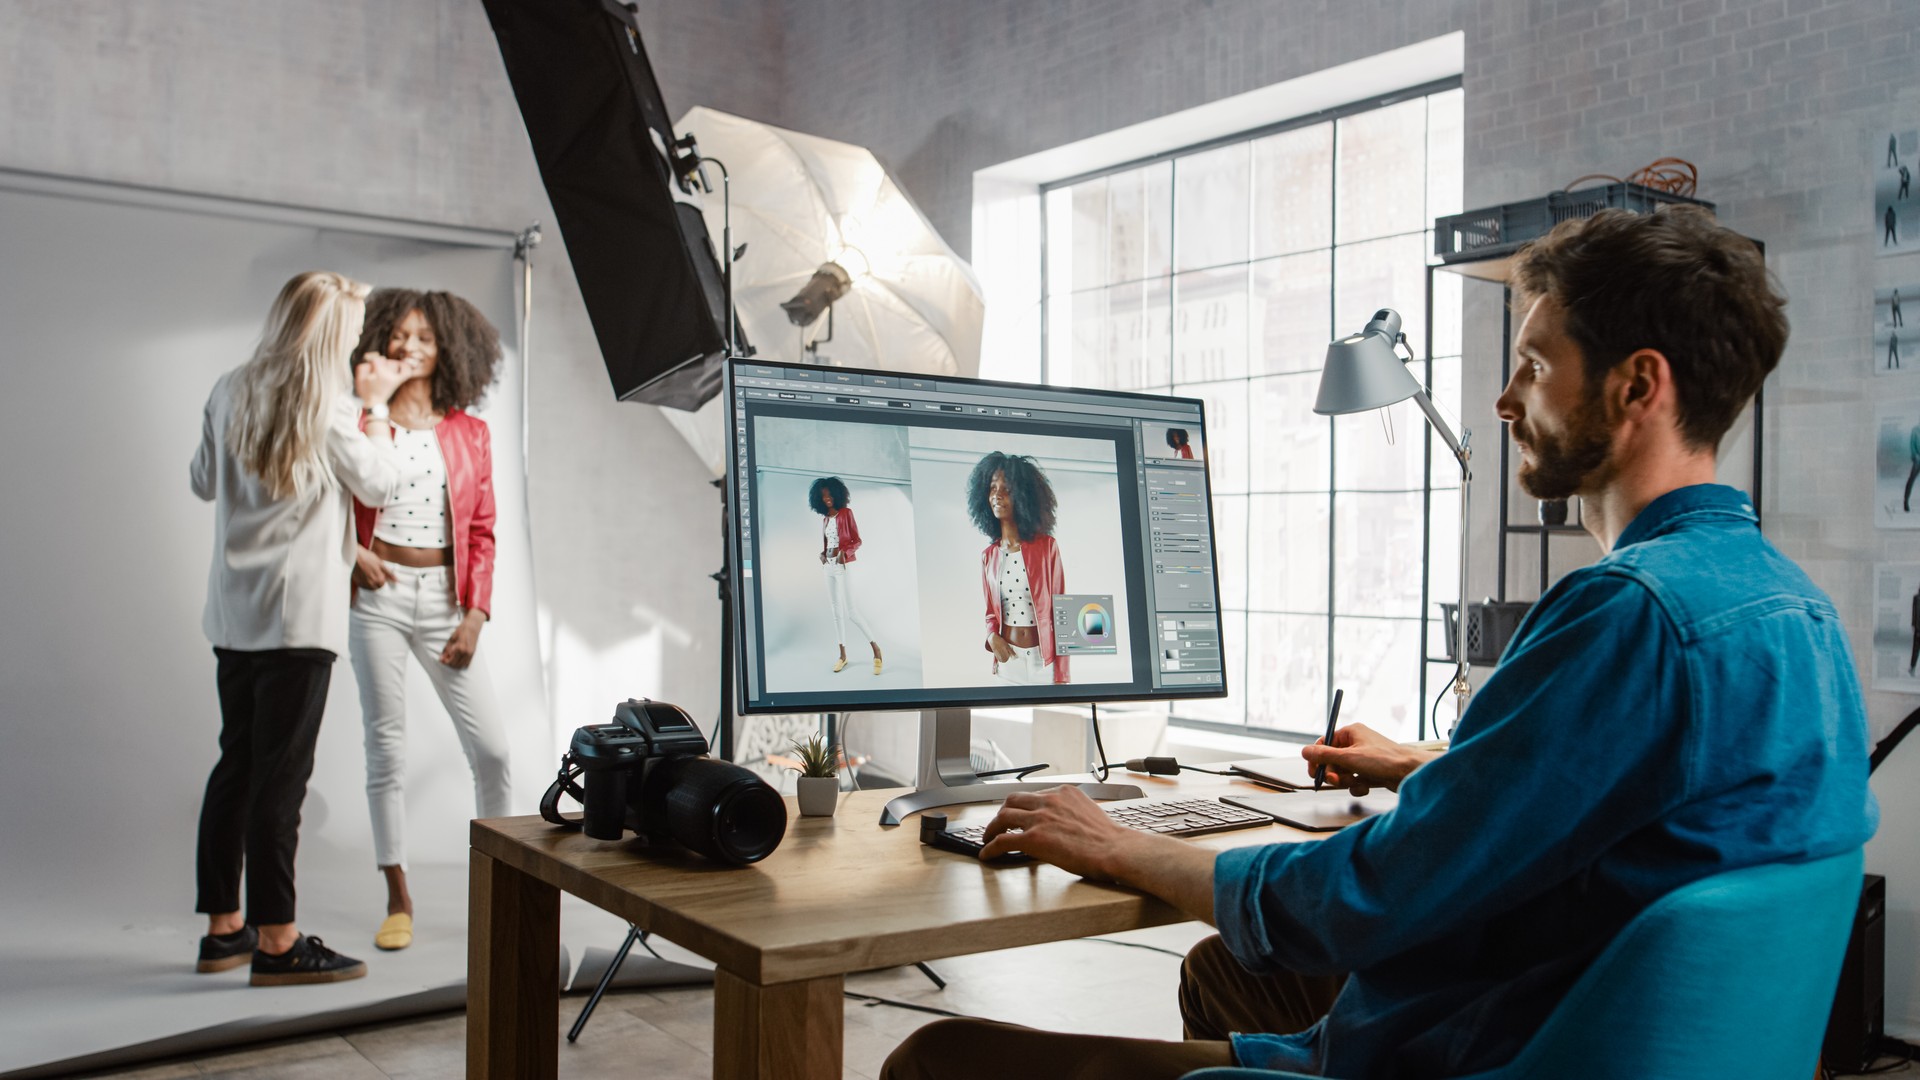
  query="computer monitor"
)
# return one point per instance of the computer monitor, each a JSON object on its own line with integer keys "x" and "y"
{"x": 921, "y": 485}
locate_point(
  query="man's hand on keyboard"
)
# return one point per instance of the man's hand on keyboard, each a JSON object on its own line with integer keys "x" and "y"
{"x": 1063, "y": 827}
{"x": 1361, "y": 758}
{"x": 1071, "y": 831}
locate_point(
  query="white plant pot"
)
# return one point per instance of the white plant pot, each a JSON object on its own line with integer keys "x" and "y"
{"x": 818, "y": 795}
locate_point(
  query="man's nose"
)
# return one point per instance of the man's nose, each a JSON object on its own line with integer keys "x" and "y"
{"x": 1507, "y": 405}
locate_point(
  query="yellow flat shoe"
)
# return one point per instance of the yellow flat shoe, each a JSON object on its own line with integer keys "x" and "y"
{"x": 395, "y": 933}
{"x": 876, "y": 665}
{"x": 841, "y": 666}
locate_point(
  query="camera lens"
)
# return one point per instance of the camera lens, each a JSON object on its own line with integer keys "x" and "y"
{"x": 721, "y": 810}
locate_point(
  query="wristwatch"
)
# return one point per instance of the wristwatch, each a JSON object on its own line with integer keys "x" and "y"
{"x": 378, "y": 412}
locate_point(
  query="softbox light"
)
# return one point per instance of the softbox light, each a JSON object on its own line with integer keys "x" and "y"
{"x": 647, "y": 268}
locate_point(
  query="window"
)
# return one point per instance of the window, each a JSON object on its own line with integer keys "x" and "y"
{"x": 1221, "y": 273}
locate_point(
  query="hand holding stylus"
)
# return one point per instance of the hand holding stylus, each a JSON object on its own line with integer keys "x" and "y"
{"x": 1359, "y": 758}
{"x": 1333, "y": 717}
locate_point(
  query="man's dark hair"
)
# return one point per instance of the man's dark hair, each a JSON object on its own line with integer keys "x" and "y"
{"x": 1675, "y": 281}
{"x": 833, "y": 486}
{"x": 1033, "y": 501}
{"x": 469, "y": 346}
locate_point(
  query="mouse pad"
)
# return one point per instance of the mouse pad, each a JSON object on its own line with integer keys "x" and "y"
{"x": 1317, "y": 811}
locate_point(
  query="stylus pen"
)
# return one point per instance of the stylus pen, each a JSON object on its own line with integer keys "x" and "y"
{"x": 1333, "y": 717}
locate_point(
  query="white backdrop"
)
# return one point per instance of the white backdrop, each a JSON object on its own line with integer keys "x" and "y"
{"x": 119, "y": 318}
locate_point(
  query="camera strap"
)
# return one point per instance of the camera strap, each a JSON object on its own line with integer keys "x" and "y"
{"x": 563, "y": 784}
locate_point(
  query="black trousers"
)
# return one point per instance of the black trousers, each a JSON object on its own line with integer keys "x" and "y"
{"x": 270, "y": 707}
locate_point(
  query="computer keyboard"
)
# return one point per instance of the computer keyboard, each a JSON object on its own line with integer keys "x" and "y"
{"x": 1172, "y": 817}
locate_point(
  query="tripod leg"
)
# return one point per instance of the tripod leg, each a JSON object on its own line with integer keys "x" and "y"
{"x": 938, "y": 982}
{"x": 633, "y": 935}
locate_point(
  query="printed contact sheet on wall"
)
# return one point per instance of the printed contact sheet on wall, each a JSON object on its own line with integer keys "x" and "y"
{"x": 1896, "y": 627}
{"x": 1896, "y": 215}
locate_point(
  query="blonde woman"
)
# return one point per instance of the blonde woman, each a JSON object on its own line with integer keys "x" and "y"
{"x": 281, "y": 453}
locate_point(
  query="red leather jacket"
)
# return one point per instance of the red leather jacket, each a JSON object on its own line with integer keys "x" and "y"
{"x": 1045, "y": 576}
{"x": 467, "y": 446}
{"x": 849, "y": 534}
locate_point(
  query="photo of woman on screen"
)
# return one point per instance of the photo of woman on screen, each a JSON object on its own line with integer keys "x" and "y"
{"x": 1177, "y": 441}
{"x": 1011, "y": 501}
{"x": 839, "y": 546}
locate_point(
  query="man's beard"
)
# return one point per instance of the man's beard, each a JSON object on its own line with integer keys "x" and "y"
{"x": 1557, "y": 467}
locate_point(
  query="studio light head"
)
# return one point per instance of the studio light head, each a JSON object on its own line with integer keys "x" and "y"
{"x": 828, "y": 284}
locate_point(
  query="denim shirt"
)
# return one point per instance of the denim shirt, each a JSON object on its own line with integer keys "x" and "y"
{"x": 1684, "y": 707}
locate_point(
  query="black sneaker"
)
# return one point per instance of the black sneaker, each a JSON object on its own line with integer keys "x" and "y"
{"x": 220, "y": 952}
{"x": 307, "y": 962}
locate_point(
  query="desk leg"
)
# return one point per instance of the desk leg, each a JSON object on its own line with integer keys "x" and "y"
{"x": 513, "y": 974}
{"x": 791, "y": 1031}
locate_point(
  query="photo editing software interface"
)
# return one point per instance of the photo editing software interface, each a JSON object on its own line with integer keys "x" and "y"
{"x": 919, "y": 542}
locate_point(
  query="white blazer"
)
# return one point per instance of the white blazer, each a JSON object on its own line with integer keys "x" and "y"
{"x": 281, "y": 567}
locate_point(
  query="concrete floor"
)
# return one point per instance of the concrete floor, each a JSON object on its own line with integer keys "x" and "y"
{"x": 1085, "y": 986}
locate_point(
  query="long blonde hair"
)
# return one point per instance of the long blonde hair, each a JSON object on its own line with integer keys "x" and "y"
{"x": 281, "y": 397}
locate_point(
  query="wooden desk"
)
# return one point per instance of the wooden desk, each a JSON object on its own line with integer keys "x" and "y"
{"x": 841, "y": 895}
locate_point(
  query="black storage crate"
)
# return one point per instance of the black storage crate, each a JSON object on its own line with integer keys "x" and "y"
{"x": 1482, "y": 234}
{"x": 1490, "y": 625}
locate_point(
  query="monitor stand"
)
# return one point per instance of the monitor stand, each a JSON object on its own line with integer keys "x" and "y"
{"x": 947, "y": 777}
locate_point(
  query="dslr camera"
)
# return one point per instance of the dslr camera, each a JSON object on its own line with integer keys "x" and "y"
{"x": 648, "y": 772}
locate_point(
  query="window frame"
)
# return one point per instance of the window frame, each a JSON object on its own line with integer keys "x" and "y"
{"x": 1334, "y": 244}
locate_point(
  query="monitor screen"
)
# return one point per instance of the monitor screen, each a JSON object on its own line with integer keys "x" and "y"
{"x": 998, "y": 543}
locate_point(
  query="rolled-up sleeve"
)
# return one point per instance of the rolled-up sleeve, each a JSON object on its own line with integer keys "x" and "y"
{"x": 1529, "y": 794}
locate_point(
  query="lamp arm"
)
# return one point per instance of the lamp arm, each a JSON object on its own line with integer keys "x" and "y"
{"x": 1462, "y": 453}
{"x": 1454, "y": 442}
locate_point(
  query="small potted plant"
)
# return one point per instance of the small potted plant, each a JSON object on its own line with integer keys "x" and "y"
{"x": 819, "y": 784}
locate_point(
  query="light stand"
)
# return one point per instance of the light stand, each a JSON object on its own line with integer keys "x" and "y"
{"x": 1365, "y": 372}
{"x": 687, "y": 168}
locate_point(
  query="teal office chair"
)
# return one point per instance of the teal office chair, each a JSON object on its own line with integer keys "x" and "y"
{"x": 1732, "y": 975}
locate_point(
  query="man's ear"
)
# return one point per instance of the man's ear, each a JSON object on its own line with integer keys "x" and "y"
{"x": 1642, "y": 382}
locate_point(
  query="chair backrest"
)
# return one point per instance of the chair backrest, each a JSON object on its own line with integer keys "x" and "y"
{"x": 1732, "y": 975}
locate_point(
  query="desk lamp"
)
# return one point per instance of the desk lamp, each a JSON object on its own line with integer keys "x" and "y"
{"x": 1364, "y": 371}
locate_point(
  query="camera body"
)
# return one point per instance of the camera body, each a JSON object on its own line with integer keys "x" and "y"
{"x": 648, "y": 772}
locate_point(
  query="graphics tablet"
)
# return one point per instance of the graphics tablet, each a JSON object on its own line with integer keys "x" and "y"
{"x": 1282, "y": 772}
{"x": 1317, "y": 811}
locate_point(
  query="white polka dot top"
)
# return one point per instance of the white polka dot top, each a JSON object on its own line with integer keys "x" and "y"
{"x": 417, "y": 515}
{"x": 1016, "y": 595}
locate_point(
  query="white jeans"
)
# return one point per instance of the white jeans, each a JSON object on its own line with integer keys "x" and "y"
{"x": 840, "y": 596}
{"x": 415, "y": 613}
{"x": 1024, "y": 668}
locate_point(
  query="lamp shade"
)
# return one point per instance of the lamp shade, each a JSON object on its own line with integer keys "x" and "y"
{"x": 1363, "y": 372}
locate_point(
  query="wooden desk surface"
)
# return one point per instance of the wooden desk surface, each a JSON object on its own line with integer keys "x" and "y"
{"x": 842, "y": 894}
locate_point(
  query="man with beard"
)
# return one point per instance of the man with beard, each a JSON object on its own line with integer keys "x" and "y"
{"x": 1684, "y": 707}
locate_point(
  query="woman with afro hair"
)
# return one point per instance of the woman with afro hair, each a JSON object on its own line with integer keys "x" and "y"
{"x": 424, "y": 568}
{"x": 839, "y": 543}
{"x": 1011, "y": 501}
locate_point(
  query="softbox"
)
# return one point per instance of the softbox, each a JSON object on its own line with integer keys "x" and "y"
{"x": 646, "y": 265}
